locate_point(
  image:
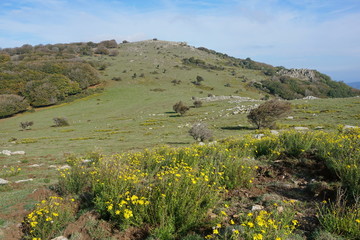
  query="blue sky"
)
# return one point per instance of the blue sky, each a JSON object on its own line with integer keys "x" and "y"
{"x": 314, "y": 34}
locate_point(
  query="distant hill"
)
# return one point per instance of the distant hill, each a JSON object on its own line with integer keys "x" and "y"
{"x": 45, "y": 75}
{"x": 355, "y": 85}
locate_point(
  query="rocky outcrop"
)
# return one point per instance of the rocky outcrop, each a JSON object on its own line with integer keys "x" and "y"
{"x": 303, "y": 74}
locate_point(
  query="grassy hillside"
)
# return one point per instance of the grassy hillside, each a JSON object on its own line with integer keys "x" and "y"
{"x": 134, "y": 112}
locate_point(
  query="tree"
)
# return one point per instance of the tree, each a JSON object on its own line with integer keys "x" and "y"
{"x": 267, "y": 113}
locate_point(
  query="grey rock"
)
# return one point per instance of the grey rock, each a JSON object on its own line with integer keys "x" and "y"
{"x": 301, "y": 128}
{"x": 3, "y": 181}
{"x": 257, "y": 208}
{"x": 60, "y": 238}
{"x": 25, "y": 180}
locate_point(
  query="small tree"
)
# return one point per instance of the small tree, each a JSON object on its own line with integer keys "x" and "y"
{"x": 267, "y": 113}
{"x": 60, "y": 122}
{"x": 26, "y": 125}
{"x": 199, "y": 79}
{"x": 179, "y": 107}
{"x": 199, "y": 131}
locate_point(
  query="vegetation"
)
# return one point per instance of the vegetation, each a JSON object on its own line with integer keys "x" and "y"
{"x": 26, "y": 125}
{"x": 11, "y": 104}
{"x": 179, "y": 107}
{"x": 265, "y": 115}
{"x": 125, "y": 154}
{"x": 60, "y": 122}
{"x": 200, "y": 132}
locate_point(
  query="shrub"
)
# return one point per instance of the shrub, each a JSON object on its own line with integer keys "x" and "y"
{"x": 176, "y": 82}
{"x": 197, "y": 103}
{"x": 11, "y": 104}
{"x": 60, "y": 122}
{"x": 109, "y": 43}
{"x": 26, "y": 125}
{"x": 102, "y": 50}
{"x": 199, "y": 131}
{"x": 340, "y": 217}
{"x": 267, "y": 113}
{"x": 199, "y": 79}
{"x": 180, "y": 108}
{"x": 113, "y": 52}
{"x": 48, "y": 218}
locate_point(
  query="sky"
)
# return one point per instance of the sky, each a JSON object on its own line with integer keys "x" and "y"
{"x": 314, "y": 34}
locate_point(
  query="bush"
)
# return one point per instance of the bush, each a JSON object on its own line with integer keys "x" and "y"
{"x": 199, "y": 131}
{"x": 340, "y": 217}
{"x": 109, "y": 43}
{"x": 60, "y": 122}
{"x": 11, "y": 104}
{"x": 267, "y": 113}
{"x": 26, "y": 125}
{"x": 180, "y": 108}
{"x": 197, "y": 103}
{"x": 48, "y": 218}
{"x": 102, "y": 50}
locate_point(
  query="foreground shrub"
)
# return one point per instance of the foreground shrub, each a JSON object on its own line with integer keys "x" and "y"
{"x": 267, "y": 113}
{"x": 296, "y": 143}
{"x": 48, "y": 218}
{"x": 172, "y": 190}
{"x": 259, "y": 225}
{"x": 200, "y": 132}
{"x": 11, "y": 104}
{"x": 340, "y": 217}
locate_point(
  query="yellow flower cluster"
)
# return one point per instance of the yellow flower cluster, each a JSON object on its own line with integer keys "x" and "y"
{"x": 46, "y": 217}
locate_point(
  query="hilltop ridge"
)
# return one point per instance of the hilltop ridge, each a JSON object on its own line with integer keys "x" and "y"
{"x": 45, "y": 75}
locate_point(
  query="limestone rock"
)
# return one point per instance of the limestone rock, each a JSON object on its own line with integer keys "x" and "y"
{"x": 3, "y": 181}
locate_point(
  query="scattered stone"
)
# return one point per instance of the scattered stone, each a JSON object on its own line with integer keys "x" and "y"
{"x": 310, "y": 98}
{"x": 274, "y": 132}
{"x": 6, "y": 152}
{"x": 86, "y": 161}
{"x": 201, "y": 143}
{"x": 64, "y": 167}
{"x": 35, "y": 165}
{"x": 60, "y": 238}
{"x": 25, "y": 180}
{"x": 259, "y": 136}
{"x": 52, "y": 166}
{"x": 257, "y": 208}
{"x": 318, "y": 128}
{"x": 18, "y": 153}
{"x": 290, "y": 117}
{"x": 349, "y": 127}
{"x": 301, "y": 128}
{"x": 3, "y": 181}
{"x": 9, "y": 153}
{"x": 280, "y": 209}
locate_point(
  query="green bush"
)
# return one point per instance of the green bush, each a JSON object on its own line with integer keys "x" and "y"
{"x": 340, "y": 217}
{"x": 267, "y": 113}
{"x": 11, "y": 104}
{"x": 60, "y": 122}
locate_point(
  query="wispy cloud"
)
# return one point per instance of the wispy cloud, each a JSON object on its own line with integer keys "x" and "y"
{"x": 322, "y": 34}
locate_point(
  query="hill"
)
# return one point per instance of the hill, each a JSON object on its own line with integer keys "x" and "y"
{"x": 47, "y": 75}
